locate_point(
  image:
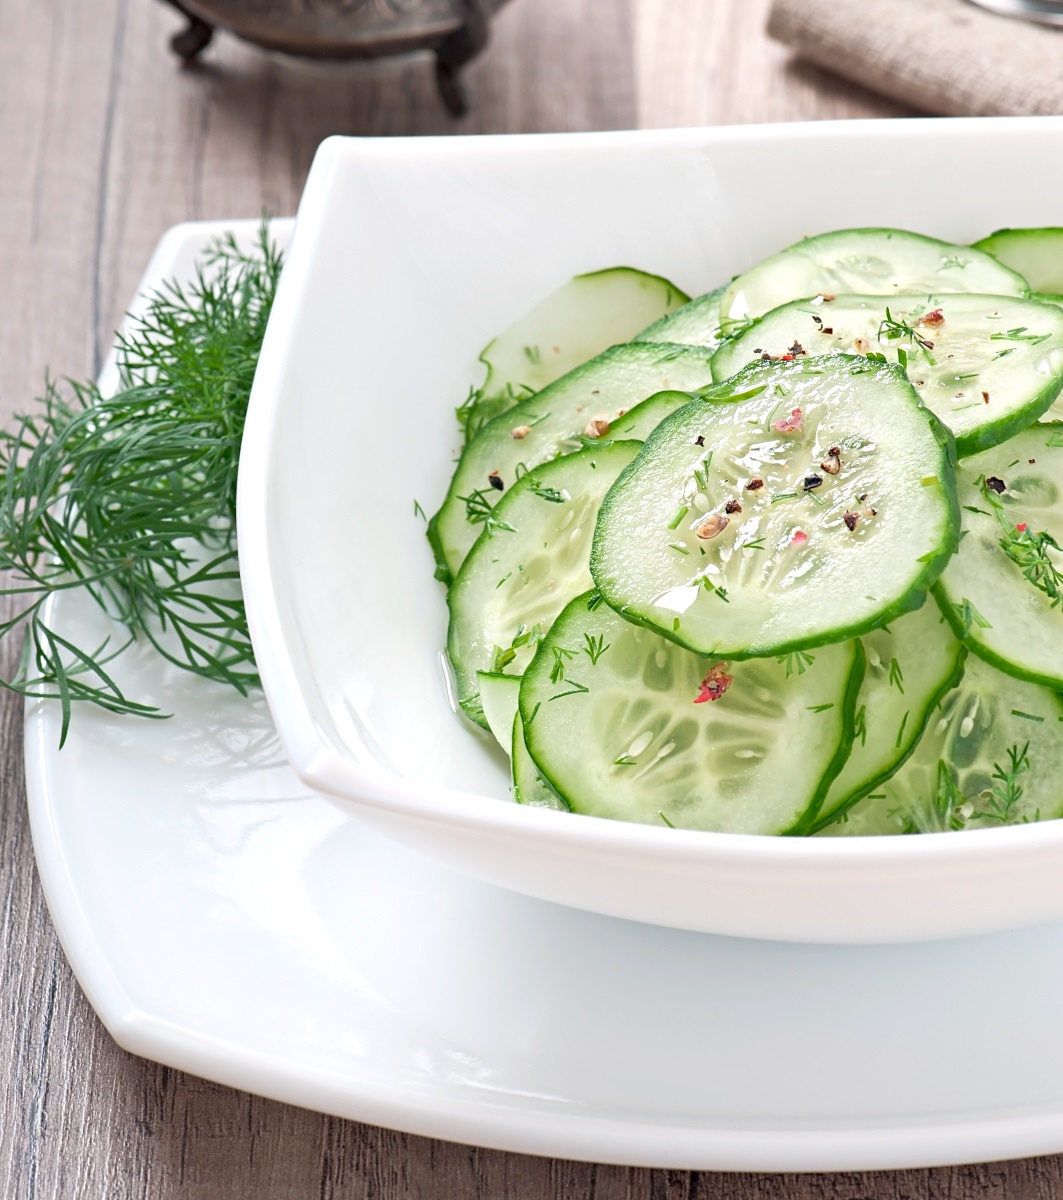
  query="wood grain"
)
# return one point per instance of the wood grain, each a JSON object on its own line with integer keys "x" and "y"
{"x": 104, "y": 143}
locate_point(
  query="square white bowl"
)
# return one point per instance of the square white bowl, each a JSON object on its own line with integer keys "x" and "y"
{"x": 408, "y": 256}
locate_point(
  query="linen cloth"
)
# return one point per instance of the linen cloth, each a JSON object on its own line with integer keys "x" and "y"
{"x": 946, "y": 57}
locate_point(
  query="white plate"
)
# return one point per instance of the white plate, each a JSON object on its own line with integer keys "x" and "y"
{"x": 409, "y": 255}
{"x": 224, "y": 921}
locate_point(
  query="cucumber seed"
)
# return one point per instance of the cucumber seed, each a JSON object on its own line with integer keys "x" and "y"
{"x": 708, "y": 527}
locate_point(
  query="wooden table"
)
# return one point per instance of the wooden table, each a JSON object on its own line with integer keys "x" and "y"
{"x": 104, "y": 144}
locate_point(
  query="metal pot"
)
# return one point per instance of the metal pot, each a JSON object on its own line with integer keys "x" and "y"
{"x": 1045, "y": 12}
{"x": 454, "y": 30}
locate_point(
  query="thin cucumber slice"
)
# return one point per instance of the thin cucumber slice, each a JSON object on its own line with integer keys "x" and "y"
{"x": 498, "y": 699}
{"x": 985, "y": 365}
{"x": 642, "y": 420}
{"x": 991, "y": 755}
{"x": 529, "y": 785}
{"x": 1003, "y": 589}
{"x": 870, "y": 262}
{"x": 911, "y": 664}
{"x": 1036, "y": 254}
{"x": 527, "y": 565}
{"x": 553, "y": 422}
{"x": 582, "y": 318}
{"x": 736, "y": 532}
{"x": 695, "y": 324}
{"x": 626, "y": 725}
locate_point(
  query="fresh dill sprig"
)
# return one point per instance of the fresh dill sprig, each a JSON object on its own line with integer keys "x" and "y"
{"x": 479, "y": 512}
{"x": 969, "y": 617}
{"x": 950, "y": 808}
{"x": 1005, "y": 793}
{"x": 1021, "y": 334}
{"x": 131, "y": 498}
{"x": 797, "y": 662}
{"x": 553, "y": 495}
{"x": 892, "y": 330}
{"x": 1028, "y": 550}
{"x": 595, "y": 647}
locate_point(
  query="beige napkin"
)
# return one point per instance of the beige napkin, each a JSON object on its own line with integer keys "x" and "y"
{"x": 941, "y": 56}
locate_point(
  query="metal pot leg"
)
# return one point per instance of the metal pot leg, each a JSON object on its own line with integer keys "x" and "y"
{"x": 190, "y": 42}
{"x": 457, "y": 51}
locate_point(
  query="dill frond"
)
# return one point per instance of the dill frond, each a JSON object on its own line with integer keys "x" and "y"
{"x": 131, "y": 498}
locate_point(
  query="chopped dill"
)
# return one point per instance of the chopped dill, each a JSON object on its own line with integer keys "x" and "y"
{"x": 893, "y": 330}
{"x": 797, "y": 662}
{"x": 900, "y": 732}
{"x": 595, "y": 647}
{"x": 1021, "y": 334}
{"x": 968, "y": 617}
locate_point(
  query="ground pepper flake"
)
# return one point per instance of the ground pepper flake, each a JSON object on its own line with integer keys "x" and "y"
{"x": 850, "y": 520}
{"x": 985, "y": 397}
{"x": 812, "y": 481}
{"x": 715, "y": 683}
{"x": 495, "y": 480}
{"x": 996, "y": 485}
{"x": 832, "y": 464}
{"x": 790, "y": 424}
{"x": 732, "y": 506}
{"x": 755, "y": 484}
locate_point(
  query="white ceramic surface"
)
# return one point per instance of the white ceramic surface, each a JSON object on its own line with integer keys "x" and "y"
{"x": 224, "y": 920}
{"x": 407, "y": 257}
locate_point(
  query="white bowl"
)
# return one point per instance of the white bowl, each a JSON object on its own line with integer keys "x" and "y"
{"x": 408, "y": 256}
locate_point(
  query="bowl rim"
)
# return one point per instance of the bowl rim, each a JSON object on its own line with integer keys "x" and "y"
{"x": 323, "y": 767}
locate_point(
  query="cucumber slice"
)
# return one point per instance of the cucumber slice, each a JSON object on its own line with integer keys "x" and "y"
{"x": 871, "y": 262}
{"x": 626, "y": 725}
{"x": 985, "y": 365}
{"x": 527, "y": 565}
{"x": 498, "y": 699}
{"x": 582, "y": 318}
{"x": 1036, "y": 254}
{"x": 695, "y": 324}
{"x": 812, "y": 553}
{"x": 529, "y": 785}
{"x": 911, "y": 664}
{"x": 1003, "y": 589}
{"x": 992, "y": 755}
{"x": 553, "y": 422}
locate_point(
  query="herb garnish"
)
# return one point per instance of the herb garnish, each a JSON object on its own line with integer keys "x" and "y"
{"x": 892, "y": 330}
{"x": 1028, "y": 550}
{"x": 131, "y": 499}
{"x": 1020, "y": 335}
{"x": 797, "y": 662}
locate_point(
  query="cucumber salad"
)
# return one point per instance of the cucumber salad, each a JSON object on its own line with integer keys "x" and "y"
{"x": 784, "y": 558}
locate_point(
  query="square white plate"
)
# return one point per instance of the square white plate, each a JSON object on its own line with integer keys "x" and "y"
{"x": 224, "y": 920}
